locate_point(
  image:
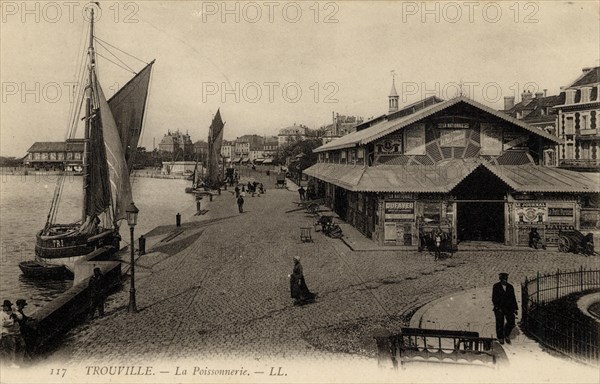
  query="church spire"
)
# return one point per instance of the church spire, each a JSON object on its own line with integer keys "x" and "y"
{"x": 393, "y": 97}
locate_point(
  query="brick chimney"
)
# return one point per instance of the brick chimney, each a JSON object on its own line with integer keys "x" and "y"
{"x": 526, "y": 96}
{"x": 509, "y": 102}
{"x": 539, "y": 95}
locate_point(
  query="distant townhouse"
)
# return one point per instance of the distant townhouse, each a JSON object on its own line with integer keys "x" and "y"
{"x": 340, "y": 126}
{"x": 291, "y": 134}
{"x": 227, "y": 150}
{"x": 578, "y": 122}
{"x": 178, "y": 145}
{"x": 56, "y": 155}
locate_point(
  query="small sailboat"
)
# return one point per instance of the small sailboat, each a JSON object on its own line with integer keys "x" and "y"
{"x": 214, "y": 178}
{"x": 111, "y": 133}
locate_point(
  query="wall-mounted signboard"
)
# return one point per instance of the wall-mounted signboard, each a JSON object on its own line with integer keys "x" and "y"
{"x": 453, "y": 138}
{"x": 491, "y": 139}
{"x": 530, "y": 212}
{"x": 399, "y": 211}
{"x": 389, "y": 145}
{"x": 414, "y": 140}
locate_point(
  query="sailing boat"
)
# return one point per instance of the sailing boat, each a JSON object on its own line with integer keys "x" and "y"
{"x": 215, "y": 141}
{"x": 111, "y": 133}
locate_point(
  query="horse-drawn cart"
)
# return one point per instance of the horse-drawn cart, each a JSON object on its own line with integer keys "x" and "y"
{"x": 574, "y": 241}
{"x": 281, "y": 180}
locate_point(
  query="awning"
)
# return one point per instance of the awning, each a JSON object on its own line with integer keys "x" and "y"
{"x": 258, "y": 161}
{"x": 236, "y": 160}
{"x": 535, "y": 178}
{"x": 268, "y": 161}
{"x": 445, "y": 176}
{"x": 245, "y": 160}
{"x": 441, "y": 178}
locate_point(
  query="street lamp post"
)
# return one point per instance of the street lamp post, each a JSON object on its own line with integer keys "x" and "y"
{"x": 132, "y": 213}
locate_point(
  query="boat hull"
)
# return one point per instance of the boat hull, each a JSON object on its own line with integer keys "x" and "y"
{"x": 62, "y": 248}
{"x": 72, "y": 246}
{"x": 42, "y": 271}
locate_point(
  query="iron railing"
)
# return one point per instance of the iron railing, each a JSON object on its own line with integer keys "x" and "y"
{"x": 575, "y": 336}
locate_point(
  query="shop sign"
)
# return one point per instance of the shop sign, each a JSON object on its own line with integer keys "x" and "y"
{"x": 531, "y": 212}
{"x": 491, "y": 139}
{"x": 453, "y": 126}
{"x": 556, "y": 227}
{"x": 453, "y": 138}
{"x": 415, "y": 140}
{"x": 561, "y": 214}
{"x": 399, "y": 211}
{"x": 399, "y": 207}
{"x": 390, "y": 145}
{"x": 400, "y": 196}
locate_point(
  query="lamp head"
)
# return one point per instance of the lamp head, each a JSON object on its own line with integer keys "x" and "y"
{"x": 132, "y": 213}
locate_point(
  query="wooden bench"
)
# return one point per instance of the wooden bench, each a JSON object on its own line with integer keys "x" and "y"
{"x": 440, "y": 346}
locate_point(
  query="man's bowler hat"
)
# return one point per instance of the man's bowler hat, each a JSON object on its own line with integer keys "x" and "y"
{"x": 21, "y": 302}
{"x": 7, "y": 303}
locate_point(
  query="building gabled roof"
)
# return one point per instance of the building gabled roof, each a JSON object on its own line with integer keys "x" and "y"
{"x": 56, "y": 146}
{"x": 386, "y": 127}
{"x": 589, "y": 77}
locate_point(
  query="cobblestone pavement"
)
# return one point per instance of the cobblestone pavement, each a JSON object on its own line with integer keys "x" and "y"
{"x": 221, "y": 290}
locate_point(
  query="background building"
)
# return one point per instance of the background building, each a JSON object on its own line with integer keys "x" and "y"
{"x": 578, "y": 122}
{"x": 55, "y": 155}
{"x": 291, "y": 134}
{"x": 176, "y": 146}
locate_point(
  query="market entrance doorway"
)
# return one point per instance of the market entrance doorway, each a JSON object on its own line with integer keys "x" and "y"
{"x": 480, "y": 221}
{"x": 480, "y": 207}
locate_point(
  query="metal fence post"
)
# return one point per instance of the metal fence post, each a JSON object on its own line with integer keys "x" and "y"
{"x": 537, "y": 291}
{"x": 557, "y": 282}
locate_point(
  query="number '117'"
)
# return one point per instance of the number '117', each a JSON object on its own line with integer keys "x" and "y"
{"x": 58, "y": 371}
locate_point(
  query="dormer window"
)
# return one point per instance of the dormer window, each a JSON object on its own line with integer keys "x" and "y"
{"x": 585, "y": 94}
{"x": 570, "y": 96}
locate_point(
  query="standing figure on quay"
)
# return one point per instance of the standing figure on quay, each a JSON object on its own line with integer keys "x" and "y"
{"x": 505, "y": 308}
{"x": 97, "y": 293}
{"x": 299, "y": 290}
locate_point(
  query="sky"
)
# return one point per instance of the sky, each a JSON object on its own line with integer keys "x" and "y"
{"x": 269, "y": 65}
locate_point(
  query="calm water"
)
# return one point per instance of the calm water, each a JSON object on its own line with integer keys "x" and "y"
{"x": 24, "y": 205}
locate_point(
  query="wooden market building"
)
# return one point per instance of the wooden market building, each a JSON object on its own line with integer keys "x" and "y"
{"x": 457, "y": 166}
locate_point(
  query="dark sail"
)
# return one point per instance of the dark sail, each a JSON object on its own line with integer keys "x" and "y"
{"x": 99, "y": 186}
{"x": 215, "y": 140}
{"x": 127, "y": 107}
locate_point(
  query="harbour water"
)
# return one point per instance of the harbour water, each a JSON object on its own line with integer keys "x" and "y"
{"x": 24, "y": 204}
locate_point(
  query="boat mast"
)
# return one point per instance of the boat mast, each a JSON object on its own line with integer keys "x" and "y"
{"x": 88, "y": 116}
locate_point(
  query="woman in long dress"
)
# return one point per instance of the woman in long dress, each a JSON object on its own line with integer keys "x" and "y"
{"x": 298, "y": 288}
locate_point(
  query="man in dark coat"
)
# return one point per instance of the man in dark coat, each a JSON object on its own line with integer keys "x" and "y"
{"x": 27, "y": 327}
{"x": 97, "y": 290}
{"x": 505, "y": 308}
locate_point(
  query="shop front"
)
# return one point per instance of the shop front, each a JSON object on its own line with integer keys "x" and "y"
{"x": 455, "y": 167}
